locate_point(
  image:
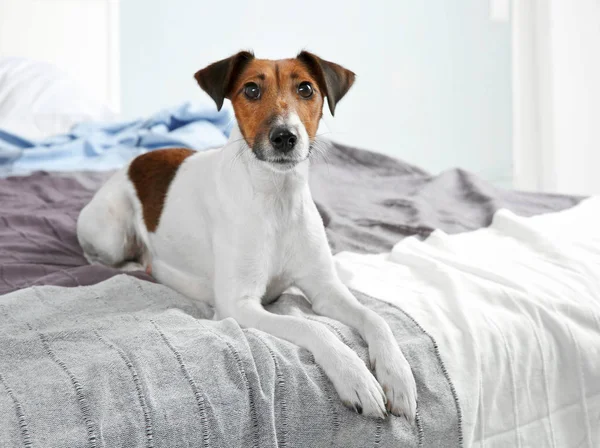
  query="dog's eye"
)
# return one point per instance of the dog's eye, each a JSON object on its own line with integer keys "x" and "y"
{"x": 305, "y": 89}
{"x": 252, "y": 91}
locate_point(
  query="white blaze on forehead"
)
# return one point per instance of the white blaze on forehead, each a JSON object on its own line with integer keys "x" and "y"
{"x": 292, "y": 121}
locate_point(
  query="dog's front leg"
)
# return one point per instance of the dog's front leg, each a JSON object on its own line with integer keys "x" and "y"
{"x": 355, "y": 384}
{"x": 331, "y": 298}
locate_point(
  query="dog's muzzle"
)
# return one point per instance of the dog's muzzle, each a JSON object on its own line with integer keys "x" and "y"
{"x": 282, "y": 147}
{"x": 282, "y": 139}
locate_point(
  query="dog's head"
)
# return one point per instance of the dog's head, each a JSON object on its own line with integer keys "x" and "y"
{"x": 278, "y": 104}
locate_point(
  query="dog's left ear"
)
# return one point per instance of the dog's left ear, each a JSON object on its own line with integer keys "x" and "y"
{"x": 218, "y": 78}
{"x": 334, "y": 80}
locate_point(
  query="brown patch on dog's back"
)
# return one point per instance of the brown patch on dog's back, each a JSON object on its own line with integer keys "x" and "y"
{"x": 151, "y": 175}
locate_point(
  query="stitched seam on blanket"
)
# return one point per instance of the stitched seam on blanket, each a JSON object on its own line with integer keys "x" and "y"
{"x": 138, "y": 387}
{"x": 18, "y": 407}
{"x": 436, "y": 350}
{"x": 335, "y": 418}
{"x": 200, "y": 401}
{"x": 377, "y": 437}
{"x": 281, "y": 386}
{"x": 238, "y": 360}
{"x": 82, "y": 401}
{"x": 419, "y": 427}
{"x": 20, "y": 414}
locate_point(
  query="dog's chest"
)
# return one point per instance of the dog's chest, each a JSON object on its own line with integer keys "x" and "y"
{"x": 274, "y": 233}
{"x": 277, "y": 258}
{"x": 255, "y": 238}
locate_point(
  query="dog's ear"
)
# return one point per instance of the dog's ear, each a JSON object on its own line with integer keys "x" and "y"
{"x": 218, "y": 78}
{"x": 334, "y": 80}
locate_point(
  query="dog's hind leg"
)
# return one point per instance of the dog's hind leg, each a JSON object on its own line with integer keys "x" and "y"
{"x": 105, "y": 226}
{"x": 189, "y": 285}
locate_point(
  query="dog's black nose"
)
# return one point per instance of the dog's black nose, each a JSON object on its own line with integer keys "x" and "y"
{"x": 282, "y": 139}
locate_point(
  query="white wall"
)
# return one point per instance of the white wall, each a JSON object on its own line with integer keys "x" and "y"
{"x": 575, "y": 55}
{"x": 557, "y": 95}
{"x": 433, "y": 81}
{"x": 77, "y": 36}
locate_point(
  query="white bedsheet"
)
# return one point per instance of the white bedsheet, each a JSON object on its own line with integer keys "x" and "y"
{"x": 515, "y": 310}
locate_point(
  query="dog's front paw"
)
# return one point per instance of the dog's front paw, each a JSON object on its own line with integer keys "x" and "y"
{"x": 357, "y": 387}
{"x": 396, "y": 378}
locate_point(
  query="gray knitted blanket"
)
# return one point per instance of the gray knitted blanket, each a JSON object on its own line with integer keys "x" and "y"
{"x": 129, "y": 363}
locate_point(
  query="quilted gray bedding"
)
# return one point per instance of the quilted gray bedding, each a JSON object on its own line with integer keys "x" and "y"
{"x": 124, "y": 362}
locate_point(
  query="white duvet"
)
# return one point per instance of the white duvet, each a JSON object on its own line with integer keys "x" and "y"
{"x": 515, "y": 310}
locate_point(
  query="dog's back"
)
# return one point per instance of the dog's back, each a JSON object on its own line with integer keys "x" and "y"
{"x": 113, "y": 228}
{"x": 105, "y": 226}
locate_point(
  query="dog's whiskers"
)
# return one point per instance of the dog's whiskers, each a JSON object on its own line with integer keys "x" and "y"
{"x": 323, "y": 133}
{"x": 319, "y": 149}
{"x": 238, "y": 155}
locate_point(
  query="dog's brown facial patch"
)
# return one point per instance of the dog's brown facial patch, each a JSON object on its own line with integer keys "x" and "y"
{"x": 272, "y": 96}
{"x": 151, "y": 175}
{"x": 278, "y": 82}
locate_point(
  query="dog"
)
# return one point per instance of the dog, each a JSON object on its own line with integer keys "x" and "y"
{"x": 235, "y": 227}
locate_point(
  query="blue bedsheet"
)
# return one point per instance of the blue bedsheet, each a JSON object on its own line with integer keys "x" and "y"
{"x": 104, "y": 146}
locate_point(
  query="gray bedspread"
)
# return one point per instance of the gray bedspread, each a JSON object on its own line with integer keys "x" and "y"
{"x": 127, "y": 362}
{"x": 370, "y": 201}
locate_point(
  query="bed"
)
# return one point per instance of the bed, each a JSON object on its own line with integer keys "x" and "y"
{"x": 493, "y": 295}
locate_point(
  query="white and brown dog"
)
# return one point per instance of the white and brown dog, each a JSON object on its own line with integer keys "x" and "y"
{"x": 235, "y": 227}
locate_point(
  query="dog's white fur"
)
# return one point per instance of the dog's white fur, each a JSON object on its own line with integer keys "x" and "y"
{"x": 236, "y": 232}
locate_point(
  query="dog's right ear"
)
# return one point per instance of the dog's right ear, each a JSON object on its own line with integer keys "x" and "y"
{"x": 218, "y": 78}
{"x": 334, "y": 80}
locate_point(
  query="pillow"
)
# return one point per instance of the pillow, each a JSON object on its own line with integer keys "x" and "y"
{"x": 37, "y": 99}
